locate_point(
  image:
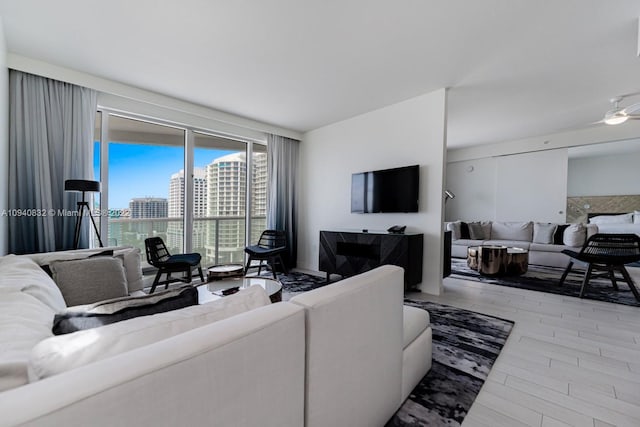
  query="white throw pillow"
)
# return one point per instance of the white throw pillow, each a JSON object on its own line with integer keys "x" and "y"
{"x": 612, "y": 219}
{"x": 636, "y": 217}
{"x": 132, "y": 269}
{"x": 63, "y": 352}
{"x": 543, "y": 232}
{"x": 575, "y": 235}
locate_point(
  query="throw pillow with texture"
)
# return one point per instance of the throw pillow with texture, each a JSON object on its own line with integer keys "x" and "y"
{"x": 476, "y": 231}
{"x": 544, "y": 232}
{"x": 89, "y": 280}
{"x": 64, "y": 352}
{"x": 575, "y": 235}
{"x": 116, "y": 310}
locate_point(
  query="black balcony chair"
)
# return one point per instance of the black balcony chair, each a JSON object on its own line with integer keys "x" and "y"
{"x": 270, "y": 247}
{"x": 159, "y": 257}
{"x": 608, "y": 253}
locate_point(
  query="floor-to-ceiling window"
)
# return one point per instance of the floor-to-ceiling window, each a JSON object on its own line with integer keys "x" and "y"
{"x": 151, "y": 173}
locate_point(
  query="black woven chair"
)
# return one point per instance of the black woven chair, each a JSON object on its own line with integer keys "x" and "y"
{"x": 270, "y": 247}
{"x": 608, "y": 253}
{"x": 159, "y": 257}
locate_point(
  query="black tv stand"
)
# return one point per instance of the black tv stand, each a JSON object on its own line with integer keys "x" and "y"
{"x": 348, "y": 253}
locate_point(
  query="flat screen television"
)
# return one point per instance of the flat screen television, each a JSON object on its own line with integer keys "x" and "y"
{"x": 388, "y": 190}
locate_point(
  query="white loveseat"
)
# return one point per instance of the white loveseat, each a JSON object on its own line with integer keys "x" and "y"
{"x": 284, "y": 364}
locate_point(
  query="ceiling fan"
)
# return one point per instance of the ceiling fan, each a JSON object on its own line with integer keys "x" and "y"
{"x": 618, "y": 115}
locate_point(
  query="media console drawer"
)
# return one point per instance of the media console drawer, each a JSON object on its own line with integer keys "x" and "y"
{"x": 349, "y": 253}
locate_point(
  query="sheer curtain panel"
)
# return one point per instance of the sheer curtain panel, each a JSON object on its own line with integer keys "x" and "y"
{"x": 51, "y": 127}
{"x": 282, "y": 166}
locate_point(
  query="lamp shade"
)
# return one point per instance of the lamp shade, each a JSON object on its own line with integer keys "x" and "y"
{"x": 81, "y": 185}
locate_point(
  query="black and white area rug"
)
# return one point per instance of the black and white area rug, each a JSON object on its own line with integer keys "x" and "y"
{"x": 545, "y": 279}
{"x": 465, "y": 346}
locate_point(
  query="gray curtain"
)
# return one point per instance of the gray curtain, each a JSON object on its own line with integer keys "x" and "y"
{"x": 282, "y": 166}
{"x": 51, "y": 128}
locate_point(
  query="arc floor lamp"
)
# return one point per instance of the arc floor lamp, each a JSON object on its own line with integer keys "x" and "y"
{"x": 85, "y": 186}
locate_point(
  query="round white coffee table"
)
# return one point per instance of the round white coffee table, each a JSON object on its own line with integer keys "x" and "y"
{"x": 214, "y": 290}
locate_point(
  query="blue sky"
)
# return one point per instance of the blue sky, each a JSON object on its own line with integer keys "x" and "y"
{"x": 141, "y": 170}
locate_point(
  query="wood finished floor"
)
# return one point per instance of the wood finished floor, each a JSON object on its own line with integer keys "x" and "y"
{"x": 567, "y": 362}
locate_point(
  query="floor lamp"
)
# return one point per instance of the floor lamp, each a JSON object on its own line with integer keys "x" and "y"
{"x": 84, "y": 186}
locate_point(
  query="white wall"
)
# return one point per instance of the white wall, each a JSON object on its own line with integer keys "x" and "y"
{"x": 518, "y": 187}
{"x": 4, "y": 143}
{"x": 407, "y": 133}
{"x": 474, "y": 184}
{"x": 532, "y": 186}
{"x": 604, "y": 175}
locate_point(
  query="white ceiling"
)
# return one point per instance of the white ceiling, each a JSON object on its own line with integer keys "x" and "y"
{"x": 516, "y": 68}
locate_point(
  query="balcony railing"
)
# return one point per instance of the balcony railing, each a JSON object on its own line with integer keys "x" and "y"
{"x": 220, "y": 239}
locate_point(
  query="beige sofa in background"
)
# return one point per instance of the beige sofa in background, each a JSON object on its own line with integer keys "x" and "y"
{"x": 532, "y": 236}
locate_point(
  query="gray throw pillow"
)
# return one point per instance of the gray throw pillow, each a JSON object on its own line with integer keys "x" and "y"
{"x": 89, "y": 280}
{"x": 476, "y": 231}
{"x": 454, "y": 227}
{"x": 543, "y": 232}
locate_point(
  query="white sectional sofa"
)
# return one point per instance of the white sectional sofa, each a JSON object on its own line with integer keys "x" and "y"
{"x": 544, "y": 241}
{"x": 345, "y": 354}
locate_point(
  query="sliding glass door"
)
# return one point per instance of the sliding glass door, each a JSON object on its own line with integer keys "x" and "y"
{"x": 194, "y": 189}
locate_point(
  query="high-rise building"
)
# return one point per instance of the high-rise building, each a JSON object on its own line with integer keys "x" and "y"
{"x": 176, "y": 208}
{"x": 220, "y": 193}
{"x": 176, "y": 194}
{"x": 258, "y": 195}
{"x": 226, "y": 187}
{"x": 148, "y": 207}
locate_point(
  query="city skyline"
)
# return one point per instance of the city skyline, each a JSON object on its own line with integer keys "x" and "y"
{"x": 143, "y": 170}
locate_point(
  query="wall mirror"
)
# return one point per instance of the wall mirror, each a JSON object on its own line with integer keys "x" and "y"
{"x": 603, "y": 178}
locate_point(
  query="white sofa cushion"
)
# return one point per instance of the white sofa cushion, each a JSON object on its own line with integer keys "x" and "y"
{"x": 28, "y": 301}
{"x": 512, "y": 231}
{"x": 63, "y": 352}
{"x": 89, "y": 280}
{"x": 415, "y": 321}
{"x": 354, "y": 345}
{"x": 24, "y": 322}
{"x": 543, "y": 232}
{"x": 574, "y": 235}
{"x": 21, "y": 274}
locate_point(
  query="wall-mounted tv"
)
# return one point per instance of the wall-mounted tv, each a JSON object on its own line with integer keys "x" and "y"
{"x": 388, "y": 190}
